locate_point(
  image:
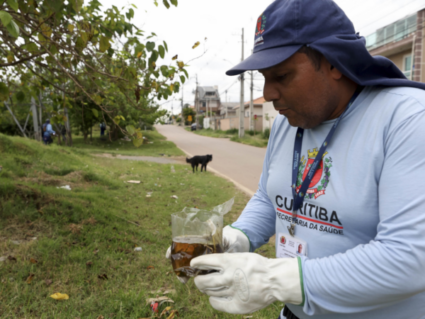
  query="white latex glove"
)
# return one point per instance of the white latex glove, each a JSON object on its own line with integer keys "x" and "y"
{"x": 247, "y": 282}
{"x": 234, "y": 241}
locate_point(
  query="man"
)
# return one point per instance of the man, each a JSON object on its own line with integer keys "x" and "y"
{"x": 343, "y": 176}
{"x": 102, "y": 129}
{"x": 48, "y": 132}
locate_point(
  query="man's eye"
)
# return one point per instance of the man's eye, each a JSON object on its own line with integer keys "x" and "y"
{"x": 281, "y": 77}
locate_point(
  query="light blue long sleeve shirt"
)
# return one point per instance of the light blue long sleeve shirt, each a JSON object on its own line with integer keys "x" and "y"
{"x": 364, "y": 218}
{"x": 49, "y": 130}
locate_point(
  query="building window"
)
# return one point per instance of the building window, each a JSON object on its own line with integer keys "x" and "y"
{"x": 204, "y": 104}
{"x": 407, "y": 66}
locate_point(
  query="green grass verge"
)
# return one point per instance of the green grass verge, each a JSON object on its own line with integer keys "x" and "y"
{"x": 156, "y": 144}
{"x": 257, "y": 140}
{"x": 85, "y": 237}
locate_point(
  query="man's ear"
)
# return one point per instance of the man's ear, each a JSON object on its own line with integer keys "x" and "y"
{"x": 335, "y": 73}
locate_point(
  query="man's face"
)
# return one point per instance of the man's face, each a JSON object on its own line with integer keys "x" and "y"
{"x": 305, "y": 95}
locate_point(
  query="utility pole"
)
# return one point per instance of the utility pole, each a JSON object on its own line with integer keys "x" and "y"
{"x": 251, "y": 104}
{"x": 196, "y": 102}
{"x": 242, "y": 106}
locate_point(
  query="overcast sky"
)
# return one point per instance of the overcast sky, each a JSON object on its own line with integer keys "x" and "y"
{"x": 221, "y": 22}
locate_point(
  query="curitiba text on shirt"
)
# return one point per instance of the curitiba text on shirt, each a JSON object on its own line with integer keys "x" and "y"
{"x": 310, "y": 216}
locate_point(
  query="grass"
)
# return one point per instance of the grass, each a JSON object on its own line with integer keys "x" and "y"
{"x": 155, "y": 144}
{"x": 81, "y": 242}
{"x": 257, "y": 139}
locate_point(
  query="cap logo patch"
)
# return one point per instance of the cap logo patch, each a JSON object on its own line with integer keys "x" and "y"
{"x": 261, "y": 25}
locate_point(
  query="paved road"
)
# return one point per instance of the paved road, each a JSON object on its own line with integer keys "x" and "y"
{"x": 242, "y": 164}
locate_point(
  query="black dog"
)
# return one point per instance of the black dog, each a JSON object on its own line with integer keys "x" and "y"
{"x": 196, "y": 160}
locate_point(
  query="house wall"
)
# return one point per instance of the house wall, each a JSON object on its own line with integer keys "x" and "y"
{"x": 257, "y": 110}
{"x": 233, "y": 122}
{"x": 269, "y": 109}
{"x": 399, "y": 57}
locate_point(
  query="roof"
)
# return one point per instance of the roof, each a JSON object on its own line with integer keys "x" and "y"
{"x": 229, "y": 105}
{"x": 203, "y": 90}
{"x": 257, "y": 101}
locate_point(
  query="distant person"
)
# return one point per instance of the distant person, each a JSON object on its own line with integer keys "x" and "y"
{"x": 48, "y": 132}
{"x": 102, "y": 129}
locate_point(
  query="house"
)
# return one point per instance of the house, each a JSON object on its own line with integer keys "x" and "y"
{"x": 232, "y": 120}
{"x": 207, "y": 97}
{"x": 257, "y": 107}
{"x": 403, "y": 43}
{"x": 227, "y": 109}
{"x": 269, "y": 115}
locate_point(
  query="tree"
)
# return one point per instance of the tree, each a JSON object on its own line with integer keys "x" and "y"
{"x": 65, "y": 48}
{"x": 186, "y": 112}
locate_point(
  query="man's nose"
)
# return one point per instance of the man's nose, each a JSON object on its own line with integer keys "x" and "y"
{"x": 270, "y": 91}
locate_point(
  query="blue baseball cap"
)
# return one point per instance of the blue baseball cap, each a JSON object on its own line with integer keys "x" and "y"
{"x": 287, "y": 25}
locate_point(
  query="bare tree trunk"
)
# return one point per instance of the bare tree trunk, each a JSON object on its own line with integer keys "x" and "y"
{"x": 16, "y": 121}
{"x": 68, "y": 128}
{"x": 37, "y": 135}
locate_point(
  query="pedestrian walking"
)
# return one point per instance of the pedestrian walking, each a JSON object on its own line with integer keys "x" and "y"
{"x": 47, "y": 132}
{"x": 342, "y": 181}
{"x": 102, "y": 129}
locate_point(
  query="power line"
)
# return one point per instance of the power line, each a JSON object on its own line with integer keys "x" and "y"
{"x": 229, "y": 87}
{"x": 404, "y": 5}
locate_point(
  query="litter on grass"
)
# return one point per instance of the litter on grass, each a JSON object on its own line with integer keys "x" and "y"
{"x": 138, "y": 249}
{"x": 67, "y": 187}
{"x": 174, "y": 196}
{"x": 133, "y": 182}
{"x": 59, "y": 296}
{"x": 159, "y": 299}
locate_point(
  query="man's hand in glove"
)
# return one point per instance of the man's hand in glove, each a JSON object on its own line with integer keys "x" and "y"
{"x": 234, "y": 241}
{"x": 247, "y": 282}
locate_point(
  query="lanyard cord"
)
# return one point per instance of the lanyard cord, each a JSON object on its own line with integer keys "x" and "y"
{"x": 299, "y": 195}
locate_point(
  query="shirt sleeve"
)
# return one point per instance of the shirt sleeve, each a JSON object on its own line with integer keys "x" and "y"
{"x": 258, "y": 219}
{"x": 389, "y": 268}
{"x": 49, "y": 129}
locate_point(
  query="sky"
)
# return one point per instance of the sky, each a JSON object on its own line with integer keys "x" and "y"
{"x": 218, "y": 26}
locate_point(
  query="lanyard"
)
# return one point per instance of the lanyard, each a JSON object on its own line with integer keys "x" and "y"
{"x": 299, "y": 197}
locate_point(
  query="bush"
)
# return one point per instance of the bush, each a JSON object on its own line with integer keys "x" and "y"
{"x": 266, "y": 133}
{"x": 232, "y": 131}
{"x": 250, "y": 132}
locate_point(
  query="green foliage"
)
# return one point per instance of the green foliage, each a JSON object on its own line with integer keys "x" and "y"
{"x": 187, "y": 111}
{"x": 266, "y": 133}
{"x": 232, "y": 131}
{"x": 257, "y": 140}
{"x": 4, "y": 92}
{"x": 71, "y": 58}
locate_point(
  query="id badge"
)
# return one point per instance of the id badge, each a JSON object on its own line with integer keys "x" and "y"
{"x": 290, "y": 247}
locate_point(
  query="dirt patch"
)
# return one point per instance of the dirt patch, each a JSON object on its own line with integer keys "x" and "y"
{"x": 160, "y": 160}
{"x": 44, "y": 179}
